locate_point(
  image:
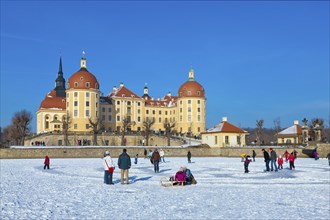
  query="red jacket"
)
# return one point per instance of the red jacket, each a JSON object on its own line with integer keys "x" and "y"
{"x": 291, "y": 158}
{"x": 46, "y": 160}
{"x": 280, "y": 160}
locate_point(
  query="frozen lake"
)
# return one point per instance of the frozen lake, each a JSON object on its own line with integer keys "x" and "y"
{"x": 74, "y": 189}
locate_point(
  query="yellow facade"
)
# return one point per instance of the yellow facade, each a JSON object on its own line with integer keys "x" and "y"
{"x": 224, "y": 139}
{"x": 84, "y": 103}
{"x": 49, "y": 120}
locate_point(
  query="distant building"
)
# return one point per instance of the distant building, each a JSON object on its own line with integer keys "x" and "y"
{"x": 291, "y": 135}
{"x": 81, "y": 101}
{"x": 224, "y": 135}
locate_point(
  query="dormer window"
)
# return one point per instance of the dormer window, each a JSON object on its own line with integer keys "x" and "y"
{"x": 81, "y": 78}
{"x": 96, "y": 85}
{"x": 88, "y": 84}
{"x": 189, "y": 92}
{"x": 198, "y": 93}
{"x": 75, "y": 84}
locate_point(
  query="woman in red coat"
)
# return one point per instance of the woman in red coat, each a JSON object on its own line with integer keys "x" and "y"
{"x": 46, "y": 162}
{"x": 291, "y": 161}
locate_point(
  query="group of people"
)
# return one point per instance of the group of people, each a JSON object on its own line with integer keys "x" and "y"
{"x": 274, "y": 160}
{"x": 183, "y": 177}
{"x": 149, "y": 155}
{"x": 124, "y": 164}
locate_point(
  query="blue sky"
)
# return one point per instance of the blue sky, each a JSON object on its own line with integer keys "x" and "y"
{"x": 256, "y": 60}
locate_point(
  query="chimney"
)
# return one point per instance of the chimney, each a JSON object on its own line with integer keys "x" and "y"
{"x": 296, "y": 122}
{"x": 169, "y": 94}
{"x": 114, "y": 88}
{"x": 224, "y": 119}
{"x": 121, "y": 84}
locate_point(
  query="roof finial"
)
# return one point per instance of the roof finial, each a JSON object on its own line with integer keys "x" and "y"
{"x": 83, "y": 54}
{"x": 191, "y": 74}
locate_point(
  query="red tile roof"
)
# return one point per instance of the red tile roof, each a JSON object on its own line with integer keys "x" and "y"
{"x": 225, "y": 127}
{"x": 123, "y": 92}
{"x": 51, "y": 101}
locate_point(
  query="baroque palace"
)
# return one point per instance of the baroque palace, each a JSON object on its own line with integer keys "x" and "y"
{"x": 80, "y": 100}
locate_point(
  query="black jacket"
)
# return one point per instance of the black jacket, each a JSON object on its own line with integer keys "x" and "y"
{"x": 266, "y": 155}
{"x": 124, "y": 161}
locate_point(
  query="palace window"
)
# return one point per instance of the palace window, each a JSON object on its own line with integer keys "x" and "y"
{"x": 87, "y": 113}
{"x": 153, "y": 112}
{"x": 75, "y": 94}
{"x": 238, "y": 140}
{"x": 87, "y": 94}
{"x": 226, "y": 140}
{"x": 189, "y": 109}
{"x": 189, "y": 117}
{"x": 103, "y": 109}
{"x": 87, "y": 103}
{"x": 118, "y": 118}
{"x": 75, "y": 113}
{"x": 118, "y": 102}
{"x": 75, "y": 103}
{"x": 189, "y": 102}
{"x": 147, "y": 112}
{"x": 109, "y": 117}
{"x": 160, "y": 112}
{"x": 160, "y": 120}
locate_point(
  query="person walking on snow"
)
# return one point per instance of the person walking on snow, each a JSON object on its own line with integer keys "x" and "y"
{"x": 189, "y": 156}
{"x": 107, "y": 162}
{"x": 155, "y": 158}
{"x": 124, "y": 164}
{"x": 254, "y": 155}
{"x": 291, "y": 161}
{"x": 267, "y": 159}
{"x": 46, "y": 162}
{"x": 162, "y": 154}
{"x": 246, "y": 163}
{"x": 273, "y": 158}
{"x": 280, "y": 162}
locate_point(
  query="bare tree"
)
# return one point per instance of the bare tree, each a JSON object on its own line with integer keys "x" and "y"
{"x": 21, "y": 122}
{"x": 125, "y": 124}
{"x": 259, "y": 135}
{"x": 97, "y": 126}
{"x": 66, "y": 124}
{"x": 147, "y": 124}
{"x": 9, "y": 136}
{"x": 168, "y": 129}
{"x": 277, "y": 125}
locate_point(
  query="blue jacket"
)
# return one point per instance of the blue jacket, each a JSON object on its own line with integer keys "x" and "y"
{"x": 124, "y": 161}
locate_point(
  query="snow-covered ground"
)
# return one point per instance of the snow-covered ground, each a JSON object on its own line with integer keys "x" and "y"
{"x": 74, "y": 189}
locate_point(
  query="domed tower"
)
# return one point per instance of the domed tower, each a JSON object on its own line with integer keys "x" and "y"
{"x": 82, "y": 98}
{"x": 191, "y": 107}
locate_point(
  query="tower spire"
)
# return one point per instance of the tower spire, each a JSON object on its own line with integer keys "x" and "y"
{"x": 60, "y": 81}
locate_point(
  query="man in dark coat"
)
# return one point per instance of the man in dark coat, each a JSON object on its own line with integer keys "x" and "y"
{"x": 189, "y": 157}
{"x": 267, "y": 159}
{"x": 155, "y": 158}
{"x": 124, "y": 163}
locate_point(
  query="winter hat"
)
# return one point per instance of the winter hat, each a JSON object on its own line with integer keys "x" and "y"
{"x": 106, "y": 153}
{"x": 270, "y": 148}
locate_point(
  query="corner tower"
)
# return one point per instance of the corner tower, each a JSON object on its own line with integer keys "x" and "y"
{"x": 191, "y": 106}
{"x": 83, "y": 98}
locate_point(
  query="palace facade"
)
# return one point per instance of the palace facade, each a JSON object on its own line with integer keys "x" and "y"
{"x": 77, "y": 103}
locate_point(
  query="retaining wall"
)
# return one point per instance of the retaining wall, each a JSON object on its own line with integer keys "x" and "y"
{"x": 97, "y": 152}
